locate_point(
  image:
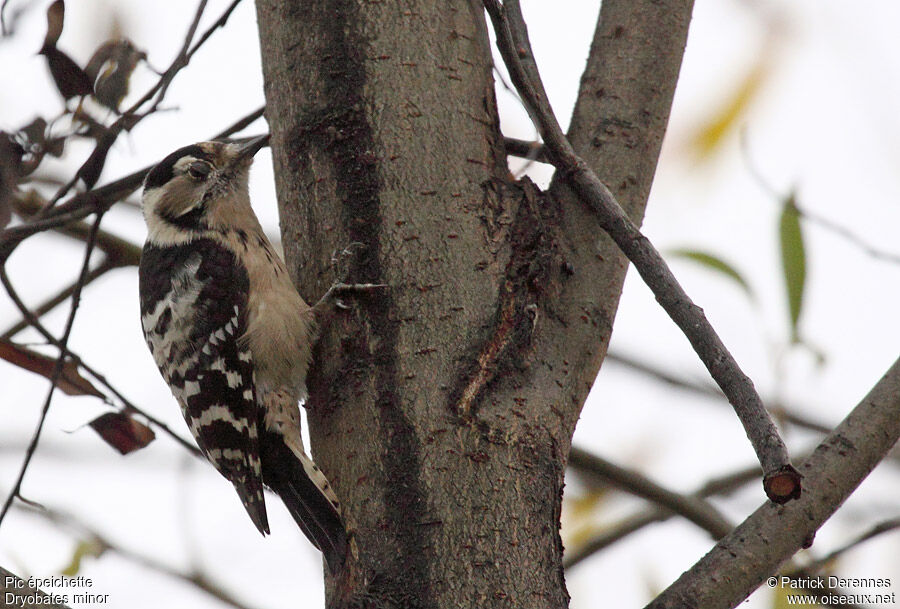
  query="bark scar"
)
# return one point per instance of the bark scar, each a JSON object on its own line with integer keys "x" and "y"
{"x": 530, "y": 275}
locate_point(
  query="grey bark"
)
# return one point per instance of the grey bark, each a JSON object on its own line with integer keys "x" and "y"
{"x": 442, "y": 409}
{"x": 740, "y": 561}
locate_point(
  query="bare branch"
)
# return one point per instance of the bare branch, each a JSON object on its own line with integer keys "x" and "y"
{"x": 695, "y": 509}
{"x": 885, "y": 526}
{"x": 834, "y": 227}
{"x": 90, "y": 170}
{"x": 57, "y": 371}
{"x": 781, "y": 412}
{"x": 96, "y": 200}
{"x": 532, "y": 151}
{"x": 119, "y": 252}
{"x": 595, "y": 467}
{"x": 197, "y": 578}
{"x": 781, "y": 481}
{"x": 58, "y": 298}
{"x": 35, "y": 323}
{"x": 718, "y": 486}
{"x": 773, "y": 533}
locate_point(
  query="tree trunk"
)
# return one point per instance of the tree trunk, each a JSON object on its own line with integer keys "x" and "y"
{"x": 442, "y": 408}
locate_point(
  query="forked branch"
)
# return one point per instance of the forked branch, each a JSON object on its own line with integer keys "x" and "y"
{"x": 781, "y": 480}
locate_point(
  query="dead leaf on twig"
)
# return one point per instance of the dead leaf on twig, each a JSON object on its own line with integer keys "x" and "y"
{"x": 122, "y": 431}
{"x": 70, "y": 380}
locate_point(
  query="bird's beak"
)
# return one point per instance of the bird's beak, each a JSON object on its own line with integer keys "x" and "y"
{"x": 249, "y": 149}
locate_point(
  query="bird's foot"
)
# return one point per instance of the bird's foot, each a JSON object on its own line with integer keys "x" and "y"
{"x": 333, "y": 298}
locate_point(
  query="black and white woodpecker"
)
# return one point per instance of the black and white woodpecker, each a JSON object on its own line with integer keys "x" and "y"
{"x": 231, "y": 335}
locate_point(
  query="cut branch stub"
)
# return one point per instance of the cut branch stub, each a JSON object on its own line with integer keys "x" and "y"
{"x": 783, "y": 485}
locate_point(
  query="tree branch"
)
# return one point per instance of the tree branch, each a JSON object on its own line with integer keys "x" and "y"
{"x": 693, "y": 508}
{"x": 773, "y": 534}
{"x": 781, "y": 481}
{"x": 718, "y": 486}
{"x": 885, "y": 526}
{"x": 96, "y": 200}
{"x": 194, "y": 577}
{"x": 58, "y": 368}
{"x": 781, "y": 411}
{"x": 58, "y": 298}
{"x": 829, "y": 225}
{"x": 35, "y": 323}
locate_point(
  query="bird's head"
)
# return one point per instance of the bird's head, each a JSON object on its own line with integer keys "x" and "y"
{"x": 197, "y": 187}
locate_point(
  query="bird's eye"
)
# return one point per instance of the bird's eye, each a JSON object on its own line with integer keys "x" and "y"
{"x": 199, "y": 170}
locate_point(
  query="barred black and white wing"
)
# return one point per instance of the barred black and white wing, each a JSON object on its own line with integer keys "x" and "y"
{"x": 193, "y": 313}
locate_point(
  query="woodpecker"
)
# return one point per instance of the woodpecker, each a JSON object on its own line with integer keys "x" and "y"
{"x": 231, "y": 335}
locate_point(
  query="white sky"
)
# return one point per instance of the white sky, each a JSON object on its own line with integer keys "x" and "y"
{"x": 824, "y": 123}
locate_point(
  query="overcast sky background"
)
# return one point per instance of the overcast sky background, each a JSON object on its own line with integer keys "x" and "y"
{"x": 824, "y": 122}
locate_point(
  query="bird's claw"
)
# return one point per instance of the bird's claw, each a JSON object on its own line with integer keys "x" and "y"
{"x": 332, "y": 298}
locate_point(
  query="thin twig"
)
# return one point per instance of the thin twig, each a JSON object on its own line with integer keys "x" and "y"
{"x": 132, "y": 116}
{"x": 133, "y": 408}
{"x": 695, "y": 509}
{"x": 595, "y": 467}
{"x": 531, "y": 151}
{"x": 181, "y": 60}
{"x": 57, "y": 370}
{"x": 781, "y": 480}
{"x": 8, "y": 26}
{"x": 663, "y": 376}
{"x": 218, "y": 23}
{"x": 119, "y": 252}
{"x": 639, "y": 520}
{"x": 35, "y": 323}
{"x": 3, "y": 29}
{"x": 825, "y": 223}
{"x": 885, "y": 526}
{"x": 97, "y": 200}
{"x": 848, "y": 235}
{"x": 57, "y": 299}
{"x": 779, "y": 411}
{"x": 196, "y": 578}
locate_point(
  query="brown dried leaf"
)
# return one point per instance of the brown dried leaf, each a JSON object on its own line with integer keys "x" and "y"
{"x": 70, "y": 380}
{"x": 90, "y": 171}
{"x": 56, "y": 14}
{"x": 55, "y": 146}
{"x": 122, "y": 432}
{"x": 71, "y": 81}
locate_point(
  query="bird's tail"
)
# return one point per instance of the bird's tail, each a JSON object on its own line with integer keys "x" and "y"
{"x": 308, "y": 496}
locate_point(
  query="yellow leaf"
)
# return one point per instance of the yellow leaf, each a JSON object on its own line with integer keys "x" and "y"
{"x": 710, "y": 135}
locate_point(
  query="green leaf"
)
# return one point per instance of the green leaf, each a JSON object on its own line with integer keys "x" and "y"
{"x": 713, "y": 262}
{"x": 793, "y": 262}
